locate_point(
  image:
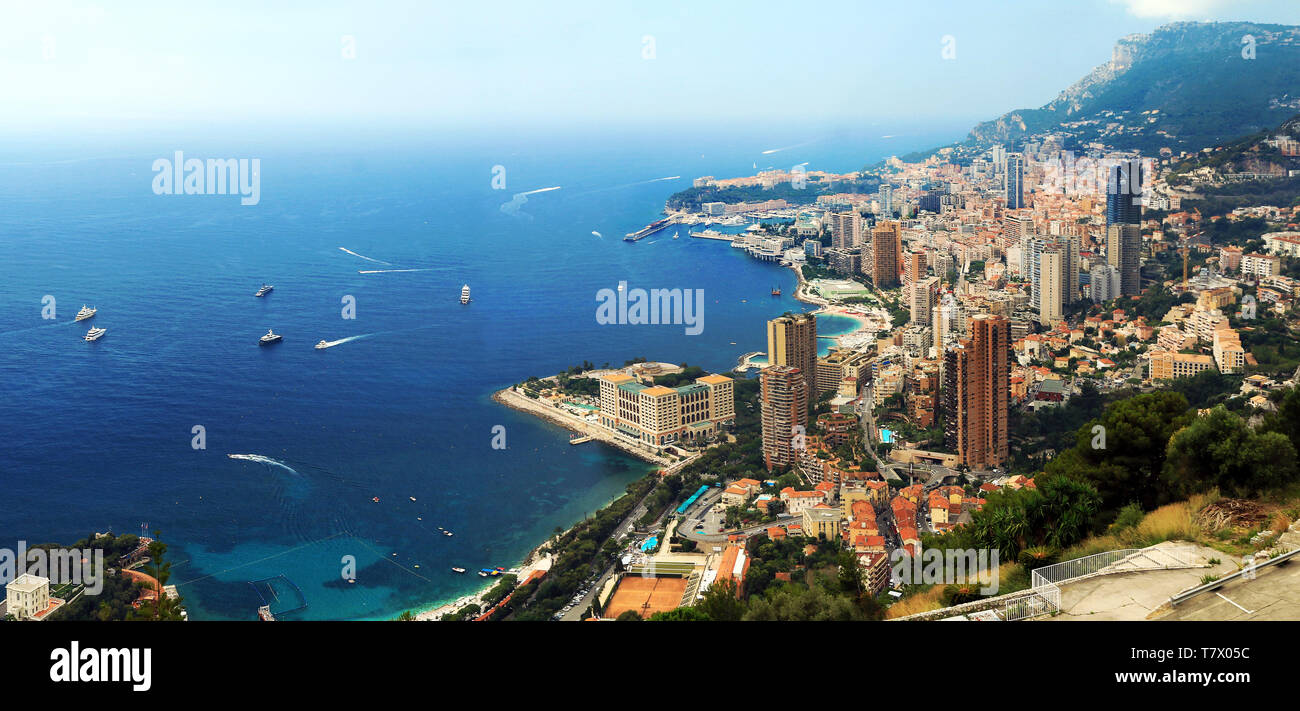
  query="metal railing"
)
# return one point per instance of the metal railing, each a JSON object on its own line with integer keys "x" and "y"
{"x": 1044, "y": 595}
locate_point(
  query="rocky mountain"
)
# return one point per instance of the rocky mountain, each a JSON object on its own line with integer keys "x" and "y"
{"x": 1185, "y": 86}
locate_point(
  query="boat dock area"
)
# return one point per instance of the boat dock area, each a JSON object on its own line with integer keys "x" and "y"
{"x": 713, "y": 234}
{"x": 580, "y": 440}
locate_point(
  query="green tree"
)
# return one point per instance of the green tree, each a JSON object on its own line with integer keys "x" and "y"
{"x": 1220, "y": 450}
{"x": 1124, "y": 458}
{"x": 721, "y": 602}
{"x": 681, "y": 614}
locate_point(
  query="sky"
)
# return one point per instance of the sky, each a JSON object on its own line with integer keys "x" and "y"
{"x": 454, "y": 66}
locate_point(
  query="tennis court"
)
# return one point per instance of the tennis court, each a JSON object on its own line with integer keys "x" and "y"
{"x": 646, "y": 595}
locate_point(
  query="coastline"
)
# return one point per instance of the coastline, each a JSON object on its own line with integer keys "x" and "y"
{"x": 533, "y": 561}
{"x": 513, "y": 400}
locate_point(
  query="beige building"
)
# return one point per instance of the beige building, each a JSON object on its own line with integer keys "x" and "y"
{"x": 656, "y": 415}
{"x": 792, "y": 341}
{"x": 1051, "y": 286}
{"x": 838, "y": 365}
{"x": 26, "y": 596}
{"x": 1165, "y": 365}
{"x": 1229, "y": 356}
{"x": 822, "y": 521}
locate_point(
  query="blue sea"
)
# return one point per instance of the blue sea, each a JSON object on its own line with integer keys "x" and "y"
{"x": 100, "y": 436}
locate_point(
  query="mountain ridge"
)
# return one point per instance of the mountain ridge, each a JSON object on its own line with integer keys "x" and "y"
{"x": 1182, "y": 87}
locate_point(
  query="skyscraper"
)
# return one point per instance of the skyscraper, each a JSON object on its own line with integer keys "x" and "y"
{"x": 1051, "y": 284}
{"x": 1015, "y": 181}
{"x": 1103, "y": 282}
{"x": 846, "y": 229}
{"x": 1124, "y": 193}
{"x": 784, "y": 403}
{"x": 976, "y": 397}
{"x": 792, "y": 341}
{"x": 924, "y": 295}
{"x": 1123, "y": 251}
{"x": 887, "y": 251}
{"x": 1123, "y": 220}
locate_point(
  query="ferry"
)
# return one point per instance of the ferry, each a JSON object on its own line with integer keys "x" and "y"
{"x": 269, "y": 338}
{"x": 322, "y": 345}
{"x": 464, "y": 294}
{"x": 95, "y": 334}
{"x": 266, "y": 289}
{"x": 648, "y": 230}
{"x": 457, "y": 570}
{"x": 85, "y": 313}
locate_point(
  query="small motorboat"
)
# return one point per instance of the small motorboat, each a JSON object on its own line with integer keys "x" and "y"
{"x": 457, "y": 570}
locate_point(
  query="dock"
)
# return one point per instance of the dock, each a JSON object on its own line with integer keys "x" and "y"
{"x": 580, "y": 440}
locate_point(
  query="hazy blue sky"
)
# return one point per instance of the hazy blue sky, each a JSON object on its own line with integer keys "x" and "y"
{"x": 502, "y": 62}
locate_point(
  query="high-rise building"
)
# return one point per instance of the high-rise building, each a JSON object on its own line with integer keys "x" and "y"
{"x": 924, "y": 296}
{"x": 792, "y": 341}
{"x": 846, "y": 229}
{"x": 1103, "y": 282}
{"x": 1051, "y": 284}
{"x": 886, "y": 199}
{"x": 887, "y": 254}
{"x": 1124, "y": 193}
{"x": 914, "y": 267}
{"x": 1124, "y": 252}
{"x": 976, "y": 395}
{"x": 784, "y": 404}
{"x": 1015, "y": 181}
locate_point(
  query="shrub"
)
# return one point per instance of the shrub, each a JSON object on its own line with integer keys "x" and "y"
{"x": 1128, "y": 517}
{"x": 1037, "y": 557}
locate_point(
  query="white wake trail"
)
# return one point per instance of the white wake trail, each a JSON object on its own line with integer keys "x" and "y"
{"x": 331, "y": 344}
{"x": 368, "y": 259}
{"x": 263, "y": 460}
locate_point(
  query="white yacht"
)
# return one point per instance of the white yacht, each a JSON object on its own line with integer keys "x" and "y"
{"x": 85, "y": 312}
{"x": 95, "y": 334}
{"x": 322, "y": 345}
{"x": 269, "y": 338}
{"x": 458, "y": 570}
{"x": 464, "y": 294}
{"x": 266, "y": 289}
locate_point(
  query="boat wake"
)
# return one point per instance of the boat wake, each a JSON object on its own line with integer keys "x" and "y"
{"x": 341, "y": 341}
{"x": 263, "y": 460}
{"x": 390, "y": 271}
{"x": 368, "y": 259}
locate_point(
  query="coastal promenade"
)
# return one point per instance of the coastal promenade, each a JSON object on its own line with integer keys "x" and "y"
{"x": 513, "y": 399}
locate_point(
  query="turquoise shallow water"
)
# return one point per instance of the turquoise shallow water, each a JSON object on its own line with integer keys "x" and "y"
{"x": 99, "y": 435}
